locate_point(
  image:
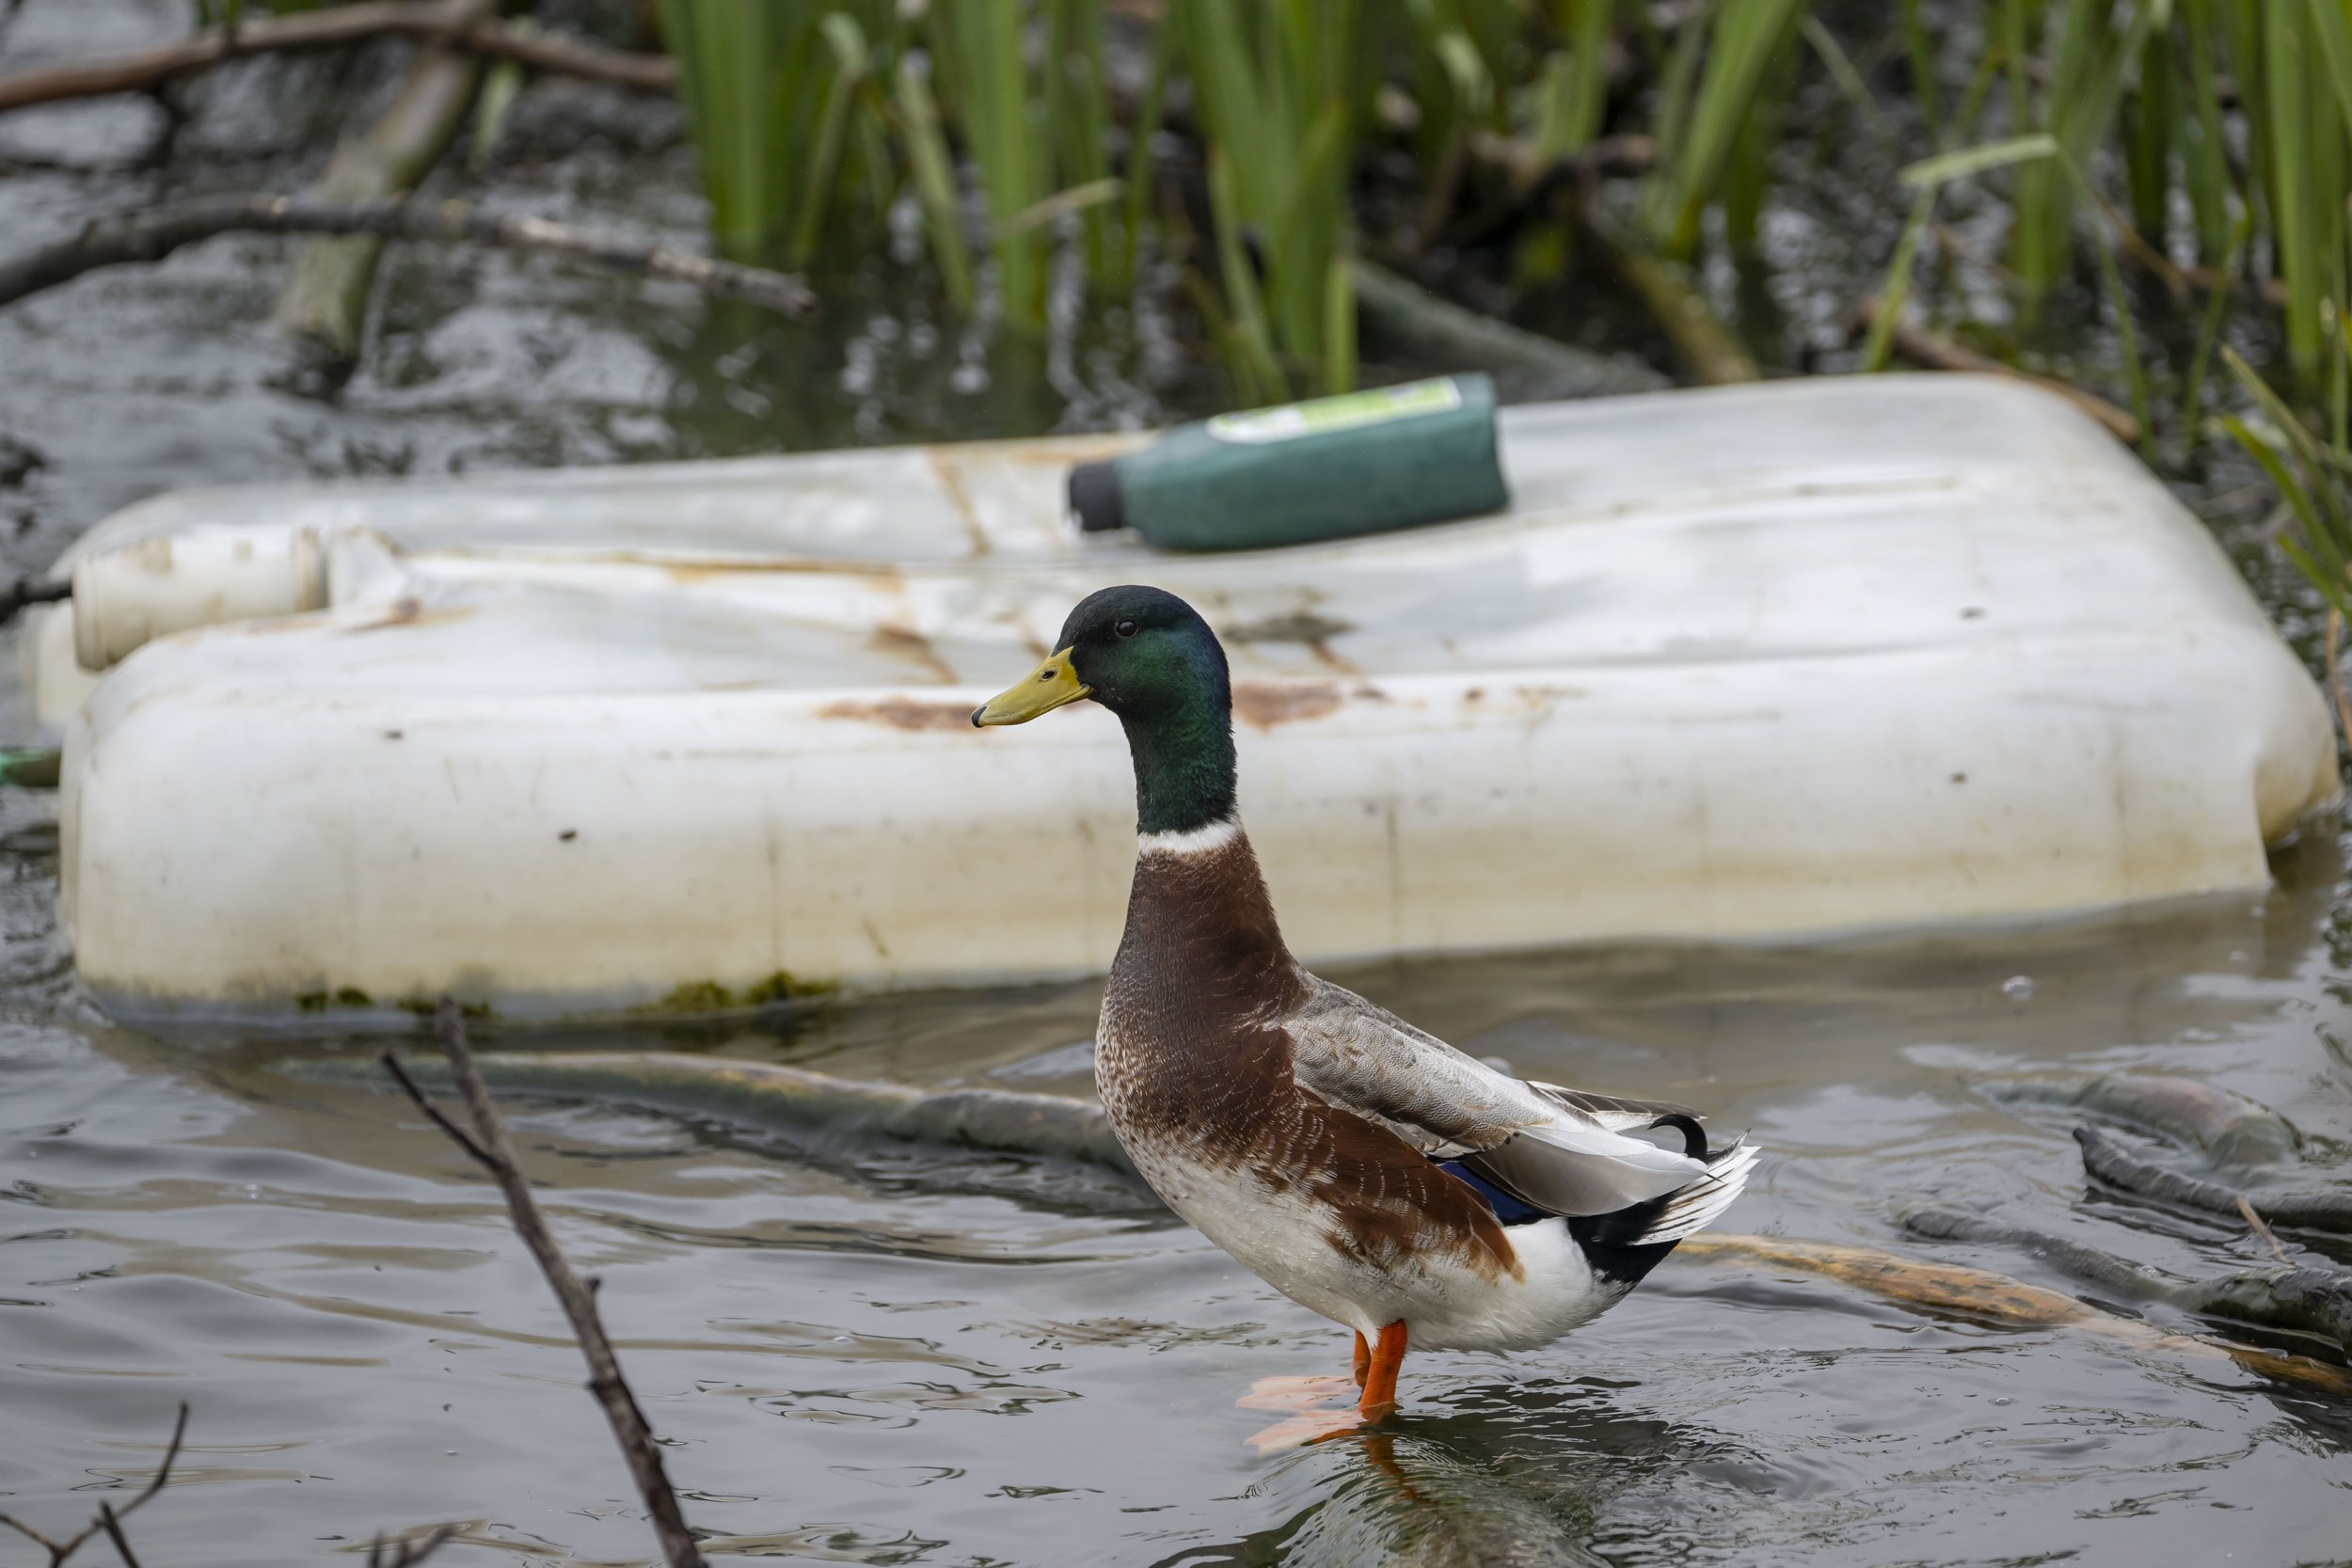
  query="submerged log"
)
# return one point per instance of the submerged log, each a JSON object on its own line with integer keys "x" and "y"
{"x": 2309, "y": 1207}
{"x": 152, "y": 235}
{"x": 1942, "y": 1287}
{"x": 2229, "y": 1127}
{"x": 761, "y": 1094}
{"x": 2309, "y": 1300}
{"x": 1996, "y": 1298}
{"x": 323, "y": 304}
{"x": 1058, "y": 1127}
{"x": 1528, "y": 365}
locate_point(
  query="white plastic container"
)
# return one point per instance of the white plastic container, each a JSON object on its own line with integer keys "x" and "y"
{"x": 1810, "y": 658}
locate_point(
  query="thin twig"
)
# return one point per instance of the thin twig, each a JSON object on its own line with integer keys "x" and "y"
{"x": 457, "y": 1134}
{"x": 110, "y": 1519}
{"x": 31, "y": 1534}
{"x": 2255, "y": 1223}
{"x": 323, "y": 301}
{"x": 407, "y": 1554}
{"x": 143, "y": 68}
{"x": 149, "y": 236}
{"x": 631, "y": 1428}
{"x": 113, "y": 1522}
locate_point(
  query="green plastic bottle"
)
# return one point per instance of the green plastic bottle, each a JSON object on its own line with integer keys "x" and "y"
{"x": 1360, "y": 463}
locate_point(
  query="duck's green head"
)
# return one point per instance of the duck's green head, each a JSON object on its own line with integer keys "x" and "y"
{"x": 1149, "y": 657}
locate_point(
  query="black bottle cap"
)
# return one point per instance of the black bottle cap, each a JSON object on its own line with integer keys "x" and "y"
{"x": 1094, "y": 496}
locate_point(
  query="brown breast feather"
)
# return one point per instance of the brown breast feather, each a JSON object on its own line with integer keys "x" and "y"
{"x": 1197, "y": 1066}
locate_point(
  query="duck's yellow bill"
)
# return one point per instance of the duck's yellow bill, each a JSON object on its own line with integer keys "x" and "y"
{"x": 1051, "y": 684}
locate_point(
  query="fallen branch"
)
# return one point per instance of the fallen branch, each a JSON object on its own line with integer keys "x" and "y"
{"x": 486, "y": 1142}
{"x": 764, "y": 1094}
{"x": 1993, "y": 1297}
{"x": 407, "y": 1554}
{"x": 1923, "y": 347}
{"x": 109, "y": 1518}
{"x": 1539, "y": 366}
{"x": 144, "y": 70}
{"x": 322, "y": 305}
{"x": 2308, "y": 1301}
{"x": 149, "y": 236}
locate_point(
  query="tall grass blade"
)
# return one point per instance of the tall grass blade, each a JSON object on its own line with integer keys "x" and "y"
{"x": 1945, "y": 167}
{"x": 2085, "y": 85}
{"x": 1919, "y": 48}
{"x": 491, "y": 110}
{"x": 847, "y": 41}
{"x": 2205, "y": 153}
{"x": 2151, "y": 115}
{"x": 1895, "y": 293}
{"x": 1141, "y": 133}
{"x": 1339, "y": 327}
{"x": 2118, "y": 304}
{"x": 1575, "y": 92}
{"x": 1240, "y": 283}
{"x": 926, "y": 151}
{"x": 2209, "y": 327}
{"x": 1077, "y": 117}
{"x": 1280, "y": 88}
{"x": 980, "y": 50}
{"x": 1745, "y": 36}
{"x": 2296, "y": 123}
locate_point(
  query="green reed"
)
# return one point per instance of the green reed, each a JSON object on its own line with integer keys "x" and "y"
{"x": 1006, "y": 125}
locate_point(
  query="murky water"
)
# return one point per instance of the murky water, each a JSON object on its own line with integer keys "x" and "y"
{"x": 860, "y": 1355}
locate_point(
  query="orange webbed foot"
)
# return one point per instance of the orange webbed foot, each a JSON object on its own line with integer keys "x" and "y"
{"x": 1295, "y": 1393}
{"x": 1375, "y": 1373}
{"x": 1307, "y": 1426}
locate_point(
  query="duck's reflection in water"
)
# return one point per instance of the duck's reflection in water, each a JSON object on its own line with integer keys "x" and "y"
{"x": 1508, "y": 1476}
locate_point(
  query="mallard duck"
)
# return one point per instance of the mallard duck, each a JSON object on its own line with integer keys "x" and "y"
{"x": 1359, "y": 1166}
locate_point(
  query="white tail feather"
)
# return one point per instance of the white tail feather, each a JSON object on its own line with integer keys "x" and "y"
{"x": 1700, "y": 1204}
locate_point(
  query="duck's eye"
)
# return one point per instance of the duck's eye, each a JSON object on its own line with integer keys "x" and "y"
{"x": 1125, "y": 628}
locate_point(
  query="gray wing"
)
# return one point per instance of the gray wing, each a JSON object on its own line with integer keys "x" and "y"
{"x": 1561, "y": 1151}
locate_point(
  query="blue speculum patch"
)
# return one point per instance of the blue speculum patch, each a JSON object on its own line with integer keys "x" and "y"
{"x": 1507, "y": 1210}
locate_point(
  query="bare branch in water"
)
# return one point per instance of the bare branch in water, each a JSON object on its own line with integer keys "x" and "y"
{"x": 113, "y": 1521}
{"x": 109, "y": 1518}
{"x": 143, "y": 69}
{"x": 407, "y": 1554}
{"x": 489, "y": 1147}
{"x": 150, "y": 236}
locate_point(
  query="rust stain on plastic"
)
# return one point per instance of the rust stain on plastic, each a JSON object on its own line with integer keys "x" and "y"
{"x": 945, "y": 469}
{"x": 1266, "y": 704}
{"x": 411, "y": 612}
{"x": 913, "y": 646}
{"x": 902, "y": 713}
{"x": 687, "y": 573}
